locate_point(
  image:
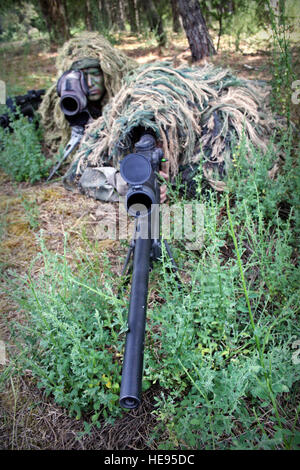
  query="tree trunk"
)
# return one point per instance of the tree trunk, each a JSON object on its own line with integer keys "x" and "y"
{"x": 195, "y": 28}
{"x": 105, "y": 16}
{"x": 122, "y": 16}
{"x": 88, "y": 16}
{"x": 175, "y": 16}
{"x": 220, "y": 30}
{"x": 55, "y": 15}
{"x": 117, "y": 15}
{"x": 137, "y": 16}
{"x": 154, "y": 20}
{"x": 132, "y": 16}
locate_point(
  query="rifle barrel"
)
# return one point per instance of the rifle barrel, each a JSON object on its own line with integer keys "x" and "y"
{"x": 132, "y": 373}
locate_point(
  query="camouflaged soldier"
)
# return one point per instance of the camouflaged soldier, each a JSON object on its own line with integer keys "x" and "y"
{"x": 196, "y": 113}
{"x": 82, "y": 95}
{"x": 90, "y": 73}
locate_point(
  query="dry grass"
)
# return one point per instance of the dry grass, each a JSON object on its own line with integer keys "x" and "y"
{"x": 31, "y": 421}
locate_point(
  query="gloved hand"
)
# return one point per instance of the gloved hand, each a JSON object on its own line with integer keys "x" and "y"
{"x": 164, "y": 173}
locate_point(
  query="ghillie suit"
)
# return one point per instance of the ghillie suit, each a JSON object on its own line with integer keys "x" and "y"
{"x": 197, "y": 113}
{"x": 114, "y": 65}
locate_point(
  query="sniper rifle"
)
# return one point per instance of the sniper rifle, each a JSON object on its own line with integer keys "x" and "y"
{"x": 27, "y": 105}
{"x": 142, "y": 201}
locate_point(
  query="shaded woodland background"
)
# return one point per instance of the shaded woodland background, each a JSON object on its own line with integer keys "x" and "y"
{"x": 60, "y": 19}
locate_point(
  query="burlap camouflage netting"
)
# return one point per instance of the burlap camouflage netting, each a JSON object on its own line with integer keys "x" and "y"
{"x": 114, "y": 65}
{"x": 196, "y": 113}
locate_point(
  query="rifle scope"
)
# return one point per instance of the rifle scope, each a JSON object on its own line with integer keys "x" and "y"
{"x": 22, "y": 104}
{"x": 138, "y": 170}
{"x": 73, "y": 92}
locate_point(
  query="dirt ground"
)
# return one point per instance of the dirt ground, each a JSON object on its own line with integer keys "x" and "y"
{"x": 29, "y": 419}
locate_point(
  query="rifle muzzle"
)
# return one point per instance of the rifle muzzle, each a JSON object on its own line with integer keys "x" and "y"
{"x": 140, "y": 200}
{"x": 130, "y": 402}
{"x": 73, "y": 91}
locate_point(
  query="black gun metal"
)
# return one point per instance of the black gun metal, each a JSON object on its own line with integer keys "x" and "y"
{"x": 142, "y": 200}
{"x": 27, "y": 105}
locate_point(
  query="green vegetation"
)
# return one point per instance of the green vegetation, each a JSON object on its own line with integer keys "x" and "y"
{"x": 222, "y": 354}
{"x": 227, "y": 361}
{"x": 21, "y": 155}
{"x": 72, "y": 336}
{"x": 282, "y": 72}
{"x": 220, "y": 349}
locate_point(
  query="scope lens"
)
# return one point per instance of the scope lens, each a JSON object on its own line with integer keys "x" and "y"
{"x": 135, "y": 168}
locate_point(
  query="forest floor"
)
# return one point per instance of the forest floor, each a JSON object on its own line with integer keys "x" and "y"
{"x": 29, "y": 419}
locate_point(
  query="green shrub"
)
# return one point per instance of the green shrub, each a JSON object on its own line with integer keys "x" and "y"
{"x": 72, "y": 337}
{"x": 227, "y": 361}
{"x": 21, "y": 154}
{"x": 221, "y": 348}
{"x": 282, "y": 64}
